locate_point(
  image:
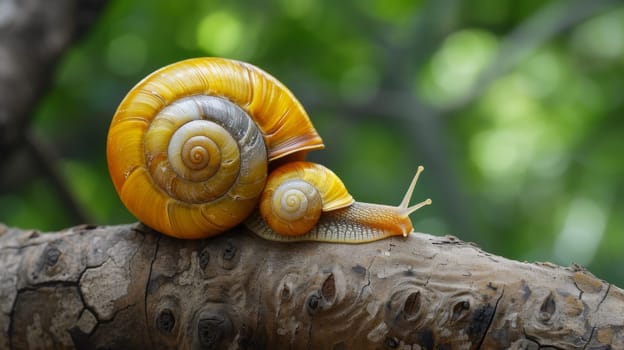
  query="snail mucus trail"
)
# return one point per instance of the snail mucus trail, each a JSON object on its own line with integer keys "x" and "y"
{"x": 189, "y": 151}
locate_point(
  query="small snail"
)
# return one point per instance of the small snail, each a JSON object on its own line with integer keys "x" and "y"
{"x": 197, "y": 146}
{"x": 288, "y": 211}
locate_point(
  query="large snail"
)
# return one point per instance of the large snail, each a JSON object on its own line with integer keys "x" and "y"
{"x": 197, "y": 146}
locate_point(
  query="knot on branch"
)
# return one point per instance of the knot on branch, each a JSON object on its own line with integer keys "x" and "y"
{"x": 165, "y": 322}
{"x": 213, "y": 328}
{"x": 230, "y": 255}
{"x": 324, "y": 297}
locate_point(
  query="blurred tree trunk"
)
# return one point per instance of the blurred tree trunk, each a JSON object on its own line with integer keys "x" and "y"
{"x": 122, "y": 287}
{"x": 33, "y": 36}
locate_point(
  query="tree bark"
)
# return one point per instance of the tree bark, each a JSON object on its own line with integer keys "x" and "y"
{"x": 130, "y": 287}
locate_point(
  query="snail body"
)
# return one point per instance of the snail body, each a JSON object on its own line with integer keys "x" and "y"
{"x": 192, "y": 145}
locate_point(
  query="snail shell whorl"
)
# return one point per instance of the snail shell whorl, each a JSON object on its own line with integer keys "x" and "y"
{"x": 204, "y": 143}
{"x": 188, "y": 147}
{"x": 295, "y": 195}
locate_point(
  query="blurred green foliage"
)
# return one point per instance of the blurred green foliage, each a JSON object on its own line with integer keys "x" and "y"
{"x": 522, "y": 126}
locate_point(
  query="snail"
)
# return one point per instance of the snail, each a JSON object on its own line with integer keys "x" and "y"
{"x": 205, "y": 144}
{"x": 294, "y": 187}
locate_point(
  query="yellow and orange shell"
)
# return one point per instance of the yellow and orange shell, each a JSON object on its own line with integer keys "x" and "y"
{"x": 185, "y": 197}
{"x": 295, "y": 195}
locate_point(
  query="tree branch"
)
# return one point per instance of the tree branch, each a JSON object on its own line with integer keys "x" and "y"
{"x": 129, "y": 287}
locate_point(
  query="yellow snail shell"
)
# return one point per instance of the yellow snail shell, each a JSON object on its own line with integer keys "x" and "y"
{"x": 295, "y": 195}
{"x": 189, "y": 146}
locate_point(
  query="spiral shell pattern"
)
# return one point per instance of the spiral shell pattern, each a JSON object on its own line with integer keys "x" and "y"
{"x": 189, "y": 146}
{"x": 295, "y": 195}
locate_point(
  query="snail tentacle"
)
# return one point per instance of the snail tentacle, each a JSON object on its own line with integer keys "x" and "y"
{"x": 408, "y": 196}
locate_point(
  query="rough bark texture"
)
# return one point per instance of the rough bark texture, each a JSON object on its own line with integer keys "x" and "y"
{"x": 129, "y": 287}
